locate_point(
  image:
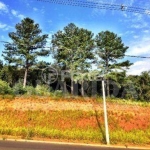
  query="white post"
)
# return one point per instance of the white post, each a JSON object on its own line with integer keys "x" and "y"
{"x": 105, "y": 114}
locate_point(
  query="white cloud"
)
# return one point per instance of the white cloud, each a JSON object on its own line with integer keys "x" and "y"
{"x": 3, "y": 7}
{"x": 138, "y": 67}
{"x": 98, "y": 10}
{"x": 128, "y": 2}
{"x": 129, "y": 32}
{"x": 17, "y": 14}
{"x": 2, "y": 26}
{"x": 140, "y": 25}
{"x": 21, "y": 16}
{"x": 35, "y": 9}
{"x": 146, "y": 31}
{"x": 135, "y": 20}
{"x": 125, "y": 15}
{"x": 135, "y": 36}
{"x": 140, "y": 46}
{"x": 137, "y": 17}
{"x": 14, "y": 12}
{"x": 147, "y": 12}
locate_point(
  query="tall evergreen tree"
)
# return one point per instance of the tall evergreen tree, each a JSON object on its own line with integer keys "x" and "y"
{"x": 110, "y": 50}
{"x": 27, "y": 45}
{"x": 1, "y": 64}
{"x": 73, "y": 49}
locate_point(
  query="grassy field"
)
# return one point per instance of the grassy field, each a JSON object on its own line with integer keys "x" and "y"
{"x": 74, "y": 119}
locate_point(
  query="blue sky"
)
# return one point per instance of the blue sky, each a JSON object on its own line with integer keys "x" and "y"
{"x": 133, "y": 28}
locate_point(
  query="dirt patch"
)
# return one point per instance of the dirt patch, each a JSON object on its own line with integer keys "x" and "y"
{"x": 46, "y": 104}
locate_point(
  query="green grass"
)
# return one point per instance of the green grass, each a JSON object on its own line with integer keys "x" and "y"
{"x": 134, "y": 137}
{"x": 125, "y": 101}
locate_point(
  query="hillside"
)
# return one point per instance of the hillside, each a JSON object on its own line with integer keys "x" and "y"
{"x": 75, "y": 119}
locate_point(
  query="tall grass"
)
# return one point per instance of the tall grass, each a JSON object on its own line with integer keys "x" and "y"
{"x": 68, "y": 125}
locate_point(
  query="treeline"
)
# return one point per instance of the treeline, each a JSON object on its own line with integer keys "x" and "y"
{"x": 76, "y": 52}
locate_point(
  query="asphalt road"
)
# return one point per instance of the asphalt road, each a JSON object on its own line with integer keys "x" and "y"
{"x": 14, "y": 145}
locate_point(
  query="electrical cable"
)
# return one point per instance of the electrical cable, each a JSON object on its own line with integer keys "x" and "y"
{"x": 145, "y": 57}
{"x": 137, "y": 56}
{"x": 99, "y": 5}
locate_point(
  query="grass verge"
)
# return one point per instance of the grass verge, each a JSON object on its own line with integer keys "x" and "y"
{"x": 87, "y": 126}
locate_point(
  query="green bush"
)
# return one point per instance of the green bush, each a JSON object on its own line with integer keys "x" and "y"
{"x": 58, "y": 93}
{"x": 30, "y": 90}
{"x": 43, "y": 90}
{"x": 18, "y": 89}
{"x": 5, "y": 88}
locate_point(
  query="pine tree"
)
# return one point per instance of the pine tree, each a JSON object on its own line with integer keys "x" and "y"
{"x": 73, "y": 48}
{"x": 110, "y": 50}
{"x": 27, "y": 45}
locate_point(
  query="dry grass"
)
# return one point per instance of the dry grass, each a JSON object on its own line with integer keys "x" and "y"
{"x": 74, "y": 119}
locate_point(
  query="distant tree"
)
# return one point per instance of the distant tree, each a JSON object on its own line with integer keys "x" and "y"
{"x": 10, "y": 74}
{"x": 121, "y": 85}
{"x": 73, "y": 49}
{"x": 1, "y": 64}
{"x": 141, "y": 84}
{"x": 35, "y": 73}
{"x": 26, "y": 47}
{"x": 110, "y": 50}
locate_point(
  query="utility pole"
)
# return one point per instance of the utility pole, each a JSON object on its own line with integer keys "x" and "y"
{"x": 105, "y": 109}
{"x": 105, "y": 113}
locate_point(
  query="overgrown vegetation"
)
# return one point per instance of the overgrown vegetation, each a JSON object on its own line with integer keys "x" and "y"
{"x": 75, "y": 50}
{"x": 77, "y": 125}
{"x": 68, "y": 78}
{"x": 5, "y": 88}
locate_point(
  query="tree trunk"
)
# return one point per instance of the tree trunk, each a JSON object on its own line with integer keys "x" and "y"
{"x": 82, "y": 88}
{"x": 107, "y": 81}
{"x": 72, "y": 83}
{"x": 108, "y": 90}
{"x": 65, "y": 88}
{"x": 72, "y": 87}
{"x": 25, "y": 77}
{"x": 94, "y": 88}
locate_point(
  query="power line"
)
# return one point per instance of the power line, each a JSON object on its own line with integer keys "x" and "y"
{"x": 136, "y": 56}
{"x": 144, "y": 57}
{"x": 100, "y": 5}
{"x": 32, "y": 47}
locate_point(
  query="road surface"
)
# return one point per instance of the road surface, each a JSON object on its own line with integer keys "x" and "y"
{"x": 14, "y": 145}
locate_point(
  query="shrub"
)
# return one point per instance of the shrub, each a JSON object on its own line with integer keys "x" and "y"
{"x": 30, "y": 90}
{"x": 43, "y": 90}
{"x": 58, "y": 93}
{"x": 5, "y": 88}
{"x": 18, "y": 89}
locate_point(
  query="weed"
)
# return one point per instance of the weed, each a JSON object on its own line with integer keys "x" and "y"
{"x": 76, "y": 125}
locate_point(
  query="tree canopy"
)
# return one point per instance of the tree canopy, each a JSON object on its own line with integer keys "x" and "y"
{"x": 73, "y": 48}
{"x": 110, "y": 49}
{"x": 27, "y": 44}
